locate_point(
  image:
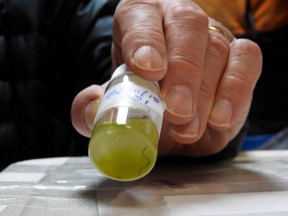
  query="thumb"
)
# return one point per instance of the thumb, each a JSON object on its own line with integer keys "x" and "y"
{"x": 84, "y": 109}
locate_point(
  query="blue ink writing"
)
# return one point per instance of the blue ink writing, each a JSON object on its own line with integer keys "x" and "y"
{"x": 134, "y": 93}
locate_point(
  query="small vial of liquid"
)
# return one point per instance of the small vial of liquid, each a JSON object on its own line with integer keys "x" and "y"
{"x": 124, "y": 142}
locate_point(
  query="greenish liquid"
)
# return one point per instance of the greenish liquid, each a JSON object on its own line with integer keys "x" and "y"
{"x": 124, "y": 152}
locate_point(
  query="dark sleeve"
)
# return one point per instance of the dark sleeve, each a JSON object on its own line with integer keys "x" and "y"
{"x": 92, "y": 50}
{"x": 81, "y": 32}
{"x": 79, "y": 35}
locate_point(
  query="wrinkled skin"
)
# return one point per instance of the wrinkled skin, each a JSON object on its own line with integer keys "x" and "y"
{"x": 206, "y": 78}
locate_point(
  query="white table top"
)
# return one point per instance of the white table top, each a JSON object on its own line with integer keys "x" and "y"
{"x": 255, "y": 183}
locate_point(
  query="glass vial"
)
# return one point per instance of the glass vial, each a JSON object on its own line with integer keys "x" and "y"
{"x": 124, "y": 142}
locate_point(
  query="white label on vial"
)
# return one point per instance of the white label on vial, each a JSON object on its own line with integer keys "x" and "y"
{"x": 123, "y": 94}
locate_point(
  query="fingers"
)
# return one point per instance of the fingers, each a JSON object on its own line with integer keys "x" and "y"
{"x": 215, "y": 28}
{"x": 206, "y": 76}
{"x": 186, "y": 36}
{"x": 84, "y": 109}
{"x": 237, "y": 84}
{"x": 156, "y": 36}
{"x": 139, "y": 37}
{"x": 229, "y": 77}
{"x": 230, "y": 104}
{"x": 215, "y": 63}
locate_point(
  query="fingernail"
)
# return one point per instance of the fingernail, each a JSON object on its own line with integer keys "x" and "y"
{"x": 90, "y": 113}
{"x": 148, "y": 58}
{"x": 194, "y": 127}
{"x": 221, "y": 114}
{"x": 190, "y": 131}
{"x": 179, "y": 101}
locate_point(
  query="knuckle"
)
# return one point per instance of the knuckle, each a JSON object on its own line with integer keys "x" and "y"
{"x": 217, "y": 52}
{"x": 247, "y": 50}
{"x": 192, "y": 67}
{"x": 189, "y": 13}
{"x": 237, "y": 84}
{"x": 218, "y": 46}
{"x": 246, "y": 62}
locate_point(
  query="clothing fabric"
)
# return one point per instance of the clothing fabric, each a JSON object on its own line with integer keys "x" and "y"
{"x": 266, "y": 14}
{"x": 268, "y": 114}
{"x": 49, "y": 51}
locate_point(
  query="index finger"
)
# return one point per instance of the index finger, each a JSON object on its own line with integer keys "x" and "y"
{"x": 138, "y": 35}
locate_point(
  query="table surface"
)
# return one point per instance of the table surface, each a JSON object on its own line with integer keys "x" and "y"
{"x": 254, "y": 183}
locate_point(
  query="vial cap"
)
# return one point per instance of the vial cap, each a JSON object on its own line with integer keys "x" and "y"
{"x": 120, "y": 71}
{"x": 123, "y": 70}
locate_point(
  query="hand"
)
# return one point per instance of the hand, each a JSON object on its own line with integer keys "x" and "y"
{"x": 206, "y": 76}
